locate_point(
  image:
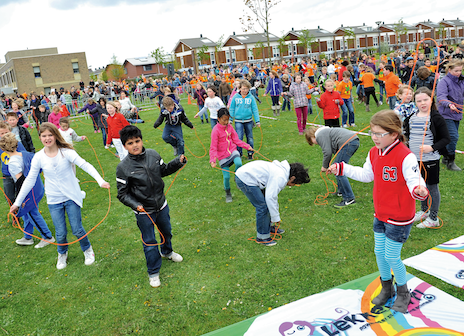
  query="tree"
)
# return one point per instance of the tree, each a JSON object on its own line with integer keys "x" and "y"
{"x": 350, "y": 36}
{"x": 259, "y": 49}
{"x": 306, "y": 40}
{"x": 218, "y": 47}
{"x": 117, "y": 70}
{"x": 400, "y": 30}
{"x": 441, "y": 32}
{"x": 283, "y": 47}
{"x": 159, "y": 55}
{"x": 260, "y": 13}
{"x": 104, "y": 76}
{"x": 203, "y": 54}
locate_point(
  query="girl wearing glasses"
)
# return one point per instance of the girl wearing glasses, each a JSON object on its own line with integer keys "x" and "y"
{"x": 397, "y": 184}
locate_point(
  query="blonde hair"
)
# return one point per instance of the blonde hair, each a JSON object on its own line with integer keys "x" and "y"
{"x": 453, "y": 64}
{"x": 310, "y": 133}
{"x": 112, "y": 103}
{"x": 329, "y": 81}
{"x": 64, "y": 120}
{"x": 60, "y": 142}
{"x": 4, "y": 125}
{"x": 19, "y": 102}
{"x": 403, "y": 88}
{"x": 389, "y": 121}
{"x": 8, "y": 143}
{"x": 167, "y": 101}
{"x": 56, "y": 108}
{"x": 245, "y": 83}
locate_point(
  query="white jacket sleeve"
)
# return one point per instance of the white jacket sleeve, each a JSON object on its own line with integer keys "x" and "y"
{"x": 362, "y": 174}
{"x": 29, "y": 182}
{"x": 412, "y": 176}
{"x": 72, "y": 156}
{"x": 275, "y": 184}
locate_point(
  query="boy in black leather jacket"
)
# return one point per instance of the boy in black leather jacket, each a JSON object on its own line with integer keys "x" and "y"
{"x": 140, "y": 187}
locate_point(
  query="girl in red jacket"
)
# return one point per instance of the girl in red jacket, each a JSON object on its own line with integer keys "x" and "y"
{"x": 330, "y": 103}
{"x": 116, "y": 122}
{"x": 397, "y": 184}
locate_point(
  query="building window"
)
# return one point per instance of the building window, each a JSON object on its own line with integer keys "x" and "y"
{"x": 37, "y": 72}
{"x": 12, "y": 75}
{"x": 228, "y": 57}
{"x": 147, "y": 67}
{"x": 376, "y": 41}
{"x": 75, "y": 66}
{"x": 357, "y": 43}
{"x": 275, "y": 51}
{"x": 330, "y": 45}
{"x": 212, "y": 58}
{"x": 233, "y": 56}
{"x": 250, "y": 54}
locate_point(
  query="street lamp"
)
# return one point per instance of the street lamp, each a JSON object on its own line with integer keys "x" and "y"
{"x": 378, "y": 23}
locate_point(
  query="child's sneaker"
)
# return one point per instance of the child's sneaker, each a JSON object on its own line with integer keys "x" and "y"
{"x": 89, "y": 256}
{"x": 45, "y": 242}
{"x": 421, "y": 215}
{"x": 62, "y": 260}
{"x": 275, "y": 230}
{"x": 353, "y": 125}
{"x": 24, "y": 242}
{"x": 428, "y": 223}
{"x": 250, "y": 156}
{"x": 266, "y": 242}
{"x": 344, "y": 203}
{"x": 345, "y": 125}
{"x": 176, "y": 257}
{"x": 154, "y": 280}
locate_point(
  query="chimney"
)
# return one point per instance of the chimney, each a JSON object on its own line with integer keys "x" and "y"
{"x": 233, "y": 33}
{"x": 292, "y": 28}
{"x": 342, "y": 25}
{"x": 201, "y": 35}
{"x": 318, "y": 27}
{"x": 364, "y": 24}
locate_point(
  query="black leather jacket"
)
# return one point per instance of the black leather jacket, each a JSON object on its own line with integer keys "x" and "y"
{"x": 139, "y": 179}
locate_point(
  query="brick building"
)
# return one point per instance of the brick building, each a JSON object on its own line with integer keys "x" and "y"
{"x": 147, "y": 66}
{"x": 37, "y": 70}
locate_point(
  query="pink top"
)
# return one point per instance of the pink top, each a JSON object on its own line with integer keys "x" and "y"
{"x": 54, "y": 119}
{"x": 224, "y": 140}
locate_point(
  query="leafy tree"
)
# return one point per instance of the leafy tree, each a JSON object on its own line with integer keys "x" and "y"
{"x": 306, "y": 40}
{"x": 104, "y": 76}
{"x": 159, "y": 55}
{"x": 202, "y": 54}
{"x": 117, "y": 70}
{"x": 259, "y": 49}
{"x": 283, "y": 47}
{"x": 350, "y": 36}
{"x": 441, "y": 32}
{"x": 260, "y": 13}
{"x": 400, "y": 30}
{"x": 218, "y": 47}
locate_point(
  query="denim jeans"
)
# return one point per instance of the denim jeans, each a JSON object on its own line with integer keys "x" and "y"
{"x": 200, "y": 106}
{"x": 173, "y": 135}
{"x": 392, "y": 102}
{"x": 382, "y": 92}
{"x": 255, "y": 94}
{"x": 286, "y": 103}
{"x": 9, "y": 189}
{"x": 345, "y": 155}
{"x": 347, "y": 109}
{"x": 247, "y": 129}
{"x": 147, "y": 229}
{"x": 103, "y": 132}
{"x": 34, "y": 219}
{"x": 398, "y": 233}
{"x": 453, "y": 129}
{"x": 225, "y": 99}
{"x": 58, "y": 213}
{"x": 257, "y": 199}
{"x": 213, "y": 122}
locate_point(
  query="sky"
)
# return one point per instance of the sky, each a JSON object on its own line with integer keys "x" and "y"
{"x": 134, "y": 28}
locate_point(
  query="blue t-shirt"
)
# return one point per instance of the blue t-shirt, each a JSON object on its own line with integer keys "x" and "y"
{"x": 5, "y": 159}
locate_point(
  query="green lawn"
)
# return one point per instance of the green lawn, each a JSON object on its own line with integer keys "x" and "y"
{"x": 224, "y": 278}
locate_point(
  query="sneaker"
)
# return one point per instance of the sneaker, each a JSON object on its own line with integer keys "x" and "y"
{"x": 89, "y": 256}
{"x": 336, "y": 193}
{"x": 421, "y": 215}
{"x": 353, "y": 125}
{"x": 176, "y": 257}
{"x": 266, "y": 242}
{"x": 279, "y": 230}
{"x": 380, "y": 103}
{"x": 23, "y": 241}
{"x": 343, "y": 204}
{"x": 301, "y": 133}
{"x": 98, "y": 131}
{"x": 62, "y": 260}
{"x": 155, "y": 280}
{"x": 45, "y": 242}
{"x": 427, "y": 223}
{"x": 345, "y": 126}
{"x": 250, "y": 156}
{"x": 112, "y": 146}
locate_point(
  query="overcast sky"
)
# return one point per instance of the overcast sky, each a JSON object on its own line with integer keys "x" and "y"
{"x": 133, "y": 28}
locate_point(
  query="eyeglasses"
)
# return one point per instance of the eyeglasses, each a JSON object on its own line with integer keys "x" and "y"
{"x": 378, "y": 135}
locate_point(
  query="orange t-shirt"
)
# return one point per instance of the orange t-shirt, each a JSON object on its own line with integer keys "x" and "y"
{"x": 345, "y": 89}
{"x": 368, "y": 80}
{"x": 432, "y": 68}
{"x": 381, "y": 75}
{"x": 310, "y": 86}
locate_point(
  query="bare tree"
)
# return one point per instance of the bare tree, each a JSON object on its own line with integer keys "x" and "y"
{"x": 260, "y": 13}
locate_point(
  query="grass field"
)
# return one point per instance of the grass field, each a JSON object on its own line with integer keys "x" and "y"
{"x": 224, "y": 278}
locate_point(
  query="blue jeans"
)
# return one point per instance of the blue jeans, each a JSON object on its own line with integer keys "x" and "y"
{"x": 286, "y": 103}
{"x": 382, "y": 92}
{"x": 453, "y": 129}
{"x": 135, "y": 121}
{"x": 345, "y": 155}
{"x": 398, "y": 233}
{"x": 213, "y": 122}
{"x": 392, "y": 102}
{"x": 347, "y": 108}
{"x": 247, "y": 129}
{"x": 34, "y": 219}
{"x": 255, "y": 94}
{"x": 147, "y": 229}
{"x": 103, "y": 131}
{"x": 257, "y": 199}
{"x": 173, "y": 135}
{"x": 58, "y": 213}
{"x": 200, "y": 106}
{"x": 360, "y": 90}
{"x": 225, "y": 99}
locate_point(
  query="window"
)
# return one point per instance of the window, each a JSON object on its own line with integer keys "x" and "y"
{"x": 147, "y": 67}
{"x": 228, "y": 56}
{"x": 250, "y": 54}
{"x": 37, "y": 72}
{"x": 376, "y": 41}
{"x": 275, "y": 51}
{"x": 12, "y": 75}
{"x": 330, "y": 45}
{"x": 75, "y": 66}
{"x": 357, "y": 43}
{"x": 212, "y": 58}
{"x": 233, "y": 56}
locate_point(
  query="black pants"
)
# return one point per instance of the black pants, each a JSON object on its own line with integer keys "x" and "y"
{"x": 370, "y": 91}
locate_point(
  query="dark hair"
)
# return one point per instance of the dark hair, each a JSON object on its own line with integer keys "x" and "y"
{"x": 212, "y": 87}
{"x": 129, "y": 132}
{"x": 428, "y": 92}
{"x": 222, "y": 112}
{"x": 102, "y": 98}
{"x": 301, "y": 174}
{"x": 389, "y": 67}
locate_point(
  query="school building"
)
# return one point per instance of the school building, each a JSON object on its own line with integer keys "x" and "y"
{"x": 343, "y": 41}
{"x": 39, "y": 70}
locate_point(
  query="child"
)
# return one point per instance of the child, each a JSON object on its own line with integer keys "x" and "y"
{"x": 21, "y": 134}
{"x": 367, "y": 82}
{"x": 286, "y": 82}
{"x": 274, "y": 88}
{"x": 200, "y": 96}
{"x": 333, "y": 140}
{"x": 393, "y": 168}
{"x": 55, "y": 116}
{"x": 329, "y": 102}
{"x": 345, "y": 87}
{"x": 174, "y": 116}
{"x": 213, "y": 104}
{"x": 392, "y": 83}
{"x": 299, "y": 90}
{"x": 224, "y": 142}
{"x": 142, "y": 191}
{"x": 18, "y": 167}
{"x": 68, "y": 134}
{"x": 64, "y": 110}
{"x": 243, "y": 109}
{"x": 404, "y": 106}
{"x": 42, "y": 114}
{"x": 360, "y": 89}
{"x": 99, "y": 114}
{"x": 427, "y": 147}
{"x": 323, "y": 77}
{"x": 381, "y": 80}
{"x": 261, "y": 182}
{"x": 310, "y": 85}
{"x": 224, "y": 90}
{"x": 91, "y": 106}
{"x": 116, "y": 122}
{"x": 62, "y": 189}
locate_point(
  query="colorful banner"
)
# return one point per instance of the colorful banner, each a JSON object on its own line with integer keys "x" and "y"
{"x": 445, "y": 261}
{"x": 347, "y": 311}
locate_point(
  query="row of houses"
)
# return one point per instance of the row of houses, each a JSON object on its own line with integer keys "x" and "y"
{"x": 200, "y": 52}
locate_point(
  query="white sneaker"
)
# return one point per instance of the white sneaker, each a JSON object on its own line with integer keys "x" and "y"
{"x": 428, "y": 223}
{"x": 23, "y": 241}
{"x": 345, "y": 126}
{"x": 62, "y": 260}
{"x": 353, "y": 125}
{"x": 89, "y": 256}
{"x": 155, "y": 280}
{"x": 176, "y": 257}
{"x": 45, "y": 242}
{"x": 421, "y": 215}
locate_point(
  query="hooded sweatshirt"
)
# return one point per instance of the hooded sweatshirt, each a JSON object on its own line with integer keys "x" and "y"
{"x": 244, "y": 109}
